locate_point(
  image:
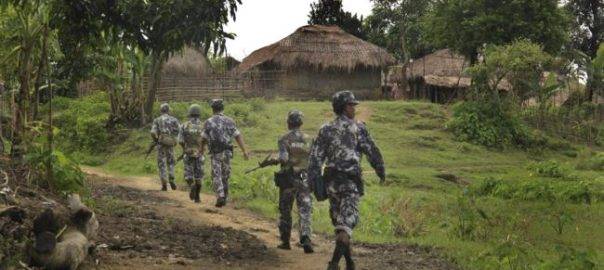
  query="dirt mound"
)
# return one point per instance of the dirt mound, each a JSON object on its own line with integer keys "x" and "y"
{"x": 131, "y": 228}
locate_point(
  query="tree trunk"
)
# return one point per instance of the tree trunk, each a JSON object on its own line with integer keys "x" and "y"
{"x": 157, "y": 60}
{"x": 23, "y": 99}
{"x": 39, "y": 74}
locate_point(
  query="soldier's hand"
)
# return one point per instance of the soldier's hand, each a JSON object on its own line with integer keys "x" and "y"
{"x": 246, "y": 155}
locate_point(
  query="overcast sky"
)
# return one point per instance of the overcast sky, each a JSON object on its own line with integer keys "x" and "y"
{"x": 263, "y": 22}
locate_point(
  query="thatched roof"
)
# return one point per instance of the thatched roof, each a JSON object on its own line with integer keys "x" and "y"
{"x": 319, "y": 47}
{"x": 444, "y": 68}
{"x": 189, "y": 63}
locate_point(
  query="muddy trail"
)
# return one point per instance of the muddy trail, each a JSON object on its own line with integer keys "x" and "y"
{"x": 143, "y": 228}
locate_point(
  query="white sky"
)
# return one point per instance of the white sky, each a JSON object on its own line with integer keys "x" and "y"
{"x": 263, "y": 22}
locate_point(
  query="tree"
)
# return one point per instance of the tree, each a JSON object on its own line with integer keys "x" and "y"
{"x": 161, "y": 28}
{"x": 521, "y": 63}
{"x": 586, "y": 35}
{"x": 396, "y": 25}
{"x": 467, "y": 25}
{"x": 331, "y": 12}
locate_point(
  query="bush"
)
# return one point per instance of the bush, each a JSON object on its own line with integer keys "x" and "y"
{"x": 595, "y": 163}
{"x": 67, "y": 176}
{"x": 550, "y": 168}
{"x": 487, "y": 124}
{"x": 575, "y": 192}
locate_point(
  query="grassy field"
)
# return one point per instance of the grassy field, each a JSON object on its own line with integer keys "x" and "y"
{"x": 486, "y": 209}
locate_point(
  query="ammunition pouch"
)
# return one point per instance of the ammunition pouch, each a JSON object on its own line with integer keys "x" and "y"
{"x": 219, "y": 148}
{"x": 331, "y": 174}
{"x": 284, "y": 179}
{"x": 166, "y": 140}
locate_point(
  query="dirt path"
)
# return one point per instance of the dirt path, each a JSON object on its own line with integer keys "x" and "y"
{"x": 180, "y": 208}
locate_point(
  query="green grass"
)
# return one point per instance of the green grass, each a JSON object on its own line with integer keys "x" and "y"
{"x": 415, "y": 206}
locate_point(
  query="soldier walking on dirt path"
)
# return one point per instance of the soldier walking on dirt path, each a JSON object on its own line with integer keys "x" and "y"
{"x": 294, "y": 147}
{"x": 189, "y": 138}
{"x": 164, "y": 131}
{"x": 340, "y": 146}
{"x": 219, "y": 131}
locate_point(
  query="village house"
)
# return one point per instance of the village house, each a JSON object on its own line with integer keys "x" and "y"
{"x": 313, "y": 63}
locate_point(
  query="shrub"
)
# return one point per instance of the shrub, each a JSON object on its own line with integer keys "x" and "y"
{"x": 550, "y": 168}
{"x": 595, "y": 163}
{"x": 67, "y": 176}
{"x": 487, "y": 124}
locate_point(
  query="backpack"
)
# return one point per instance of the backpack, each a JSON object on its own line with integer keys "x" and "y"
{"x": 192, "y": 138}
{"x": 164, "y": 137}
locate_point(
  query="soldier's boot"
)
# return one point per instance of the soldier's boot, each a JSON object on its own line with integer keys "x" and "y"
{"x": 220, "y": 202}
{"x": 346, "y": 250}
{"x": 173, "y": 185}
{"x": 197, "y": 197}
{"x": 341, "y": 240}
{"x": 306, "y": 244}
{"x": 192, "y": 192}
{"x": 333, "y": 266}
{"x": 164, "y": 187}
{"x": 285, "y": 236}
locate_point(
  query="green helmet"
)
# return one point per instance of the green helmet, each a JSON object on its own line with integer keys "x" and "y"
{"x": 164, "y": 108}
{"x": 195, "y": 110}
{"x": 341, "y": 99}
{"x": 295, "y": 118}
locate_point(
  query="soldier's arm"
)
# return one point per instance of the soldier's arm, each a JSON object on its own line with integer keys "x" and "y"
{"x": 316, "y": 157}
{"x": 241, "y": 143}
{"x": 283, "y": 154}
{"x": 369, "y": 148}
{"x": 154, "y": 130}
{"x": 181, "y": 138}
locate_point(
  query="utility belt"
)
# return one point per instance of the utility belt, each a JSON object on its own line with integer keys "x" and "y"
{"x": 286, "y": 178}
{"x": 332, "y": 175}
{"x": 215, "y": 149}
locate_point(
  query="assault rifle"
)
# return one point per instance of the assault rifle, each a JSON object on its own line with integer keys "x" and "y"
{"x": 270, "y": 160}
{"x": 151, "y": 147}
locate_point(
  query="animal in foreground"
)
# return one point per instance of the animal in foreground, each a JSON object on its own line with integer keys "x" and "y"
{"x": 67, "y": 247}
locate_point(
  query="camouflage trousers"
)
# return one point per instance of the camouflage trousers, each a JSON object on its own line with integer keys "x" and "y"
{"x": 165, "y": 163}
{"x": 343, "y": 205}
{"x": 193, "y": 169}
{"x": 301, "y": 194}
{"x": 221, "y": 172}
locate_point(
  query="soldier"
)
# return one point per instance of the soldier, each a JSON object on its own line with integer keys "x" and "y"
{"x": 339, "y": 146}
{"x": 164, "y": 131}
{"x": 189, "y": 138}
{"x": 293, "y": 184}
{"x": 219, "y": 131}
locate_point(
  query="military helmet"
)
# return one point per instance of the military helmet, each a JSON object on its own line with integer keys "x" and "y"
{"x": 341, "y": 99}
{"x": 194, "y": 110}
{"x": 217, "y": 104}
{"x": 164, "y": 108}
{"x": 295, "y": 118}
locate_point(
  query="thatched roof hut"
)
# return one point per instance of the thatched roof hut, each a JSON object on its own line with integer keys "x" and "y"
{"x": 320, "y": 47}
{"x": 318, "y": 56}
{"x": 190, "y": 63}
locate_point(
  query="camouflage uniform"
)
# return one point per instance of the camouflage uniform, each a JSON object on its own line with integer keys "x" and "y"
{"x": 340, "y": 146}
{"x": 165, "y": 126}
{"x": 219, "y": 131}
{"x": 190, "y": 137}
{"x": 293, "y": 149}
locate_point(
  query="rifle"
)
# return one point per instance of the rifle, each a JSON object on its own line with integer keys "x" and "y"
{"x": 150, "y": 149}
{"x": 269, "y": 160}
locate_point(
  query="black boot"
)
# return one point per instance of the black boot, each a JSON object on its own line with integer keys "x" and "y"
{"x": 173, "y": 185}
{"x": 197, "y": 193}
{"x": 192, "y": 192}
{"x": 285, "y": 236}
{"x": 164, "y": 187}
{"x": 333, "y": 266}
{"x": 346, "y": 249}
{"x": 220, "y": 202}
{"x": 306, "y": 244}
